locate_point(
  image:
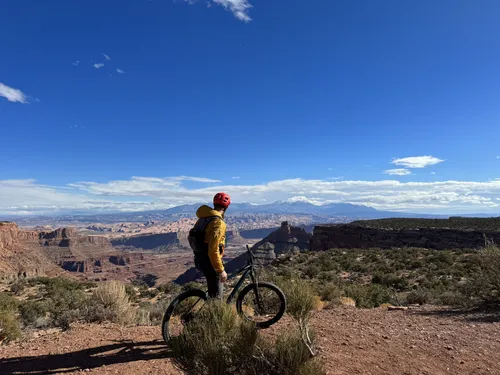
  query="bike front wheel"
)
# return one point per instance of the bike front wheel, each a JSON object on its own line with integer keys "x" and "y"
{"x": 262, "y": 303}
{"x": 181, "y": 311}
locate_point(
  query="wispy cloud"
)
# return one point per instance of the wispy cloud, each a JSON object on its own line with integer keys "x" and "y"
{"x": 106, "y": 57}
{"x": 12, "y": 94}
{"x": 76, "y": 63}
{"x": 98, "y": 65}
{"x": 417, "y": 161}
{"x": 145, "y": 193}
{"x": 433, "y": 173}
{"x": 235, "y": 177}
{"x": 121, "y": 71}
{"x": 498, "y": 157}
{"x": 398, "y": 172}
{"x": 239, "y": 8}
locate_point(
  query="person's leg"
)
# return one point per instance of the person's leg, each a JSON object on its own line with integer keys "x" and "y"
{"x": 215, "y": 287}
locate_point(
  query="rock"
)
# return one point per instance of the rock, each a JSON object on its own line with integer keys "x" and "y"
{"x": 396, "y": 308}
{"x": 350, "y": 236}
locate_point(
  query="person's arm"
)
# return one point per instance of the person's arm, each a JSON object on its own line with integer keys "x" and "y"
{"x": 214, "y": 239}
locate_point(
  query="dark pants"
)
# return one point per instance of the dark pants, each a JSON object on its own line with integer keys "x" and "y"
{"x": 215, "y": 287}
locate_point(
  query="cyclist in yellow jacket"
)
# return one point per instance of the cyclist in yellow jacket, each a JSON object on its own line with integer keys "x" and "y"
{"x": 210, "y": 263}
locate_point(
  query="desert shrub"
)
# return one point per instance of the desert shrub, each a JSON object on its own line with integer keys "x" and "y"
{"x": 9, "y": 326}
{"x": 57, "y": 283}
{"x": 7, "y": 303}
{"x": 419, "y": 296}
{"x": 484, "y": 285}
{"x": 300, "y": 299}
{"x": 148, "y": 279}
{"x": 286, "y": 356}
{"x": 391, "y": 281}
{"x": 330, "y": 292}
{"x": 66, "y": 303}
{"x": 110, "y": 302}
{"x": 149, "y": 293}
{"x": 131, "y": 293}
{"x": 18, "y": 286}
{"x": 32, "y": 311}
{"x": 312, "y": 271}
{"x": 451, "y": 298}
{"x": 193, "y": 285}
{"x": 217, "y": 341}
{"x": 151, "y": 313}
{"x": 368, "y": 296}
{"x": 170, "y": 289}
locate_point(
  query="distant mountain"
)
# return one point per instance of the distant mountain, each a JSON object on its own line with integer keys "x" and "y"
{"x": 343, "y": 211}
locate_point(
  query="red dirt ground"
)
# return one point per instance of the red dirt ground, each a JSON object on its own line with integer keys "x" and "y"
{"x": 424, "y": 341}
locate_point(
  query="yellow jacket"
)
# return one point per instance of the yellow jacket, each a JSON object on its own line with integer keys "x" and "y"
{"x": 215, "y": 236}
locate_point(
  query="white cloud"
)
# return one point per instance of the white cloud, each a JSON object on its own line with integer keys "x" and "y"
{"x": 239, "y": 8}
{"x": 12, "y": 94}
{"x": 235, "y": 177}
{"x": 76, "y": 63}
{"x": 398, "y": 172}
{"x": 417, "y": 161}
{"x": 106, "y": 57}
{"x": 498, "y": 157}
{"x": 146, "y": 193}
{"x": 433, "y": 173}
{"x": 98, "y": 65}
{"x": 121, "y": 71}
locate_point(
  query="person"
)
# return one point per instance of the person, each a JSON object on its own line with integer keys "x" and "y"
{"x": 209, "y": 262}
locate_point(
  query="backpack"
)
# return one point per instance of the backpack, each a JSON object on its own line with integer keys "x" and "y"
{"x": 196, "y": 235}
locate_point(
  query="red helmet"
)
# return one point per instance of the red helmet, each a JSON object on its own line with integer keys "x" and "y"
{"x": 222, "y": 199}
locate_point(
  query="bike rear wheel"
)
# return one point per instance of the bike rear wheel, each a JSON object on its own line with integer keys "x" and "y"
{"x": 262, "y": 303}
{"x": 181, "y": 311}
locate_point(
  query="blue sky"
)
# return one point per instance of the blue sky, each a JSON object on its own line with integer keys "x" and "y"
{"x": 139, "y": 104}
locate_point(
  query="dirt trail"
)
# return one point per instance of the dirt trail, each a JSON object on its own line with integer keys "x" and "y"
{"x": 414, "y": 342}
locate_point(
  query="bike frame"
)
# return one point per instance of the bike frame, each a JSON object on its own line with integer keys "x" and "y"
{"x": 247, "y": 270}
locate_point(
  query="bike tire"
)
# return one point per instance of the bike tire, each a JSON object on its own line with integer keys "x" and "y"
{"x": 275, "y": 289}
{"x": 175, "y": 302}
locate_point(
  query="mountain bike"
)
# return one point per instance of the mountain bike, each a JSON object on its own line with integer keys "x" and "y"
{"x": 260, "y": 302}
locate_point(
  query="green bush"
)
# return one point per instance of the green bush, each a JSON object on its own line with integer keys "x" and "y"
{"x": 32, "y": 311}
{"x": 18, "y": 286}
{"x": 151, "y": 313}
{"x": 219, "y": 342}
{"x": 287, "y": 356}
{"x": 484, "y": 285}
{"x": 419, "y": 297}
{"x": 9, "y": 326}
{"x": 300, "y": 299}
{"x": 7, "y": 303}
{"x": 131, "y": 293}
{"x": 368, "y": 296}
{"x": 391, "y": 281}
{"x": 170, "y": 289}
{"x": 330, "y": 292}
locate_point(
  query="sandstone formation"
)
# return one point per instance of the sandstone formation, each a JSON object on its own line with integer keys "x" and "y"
{"x": 350, "y": 236}
{"x": 32, "y": 253}
{"x": 149, "y": 241}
